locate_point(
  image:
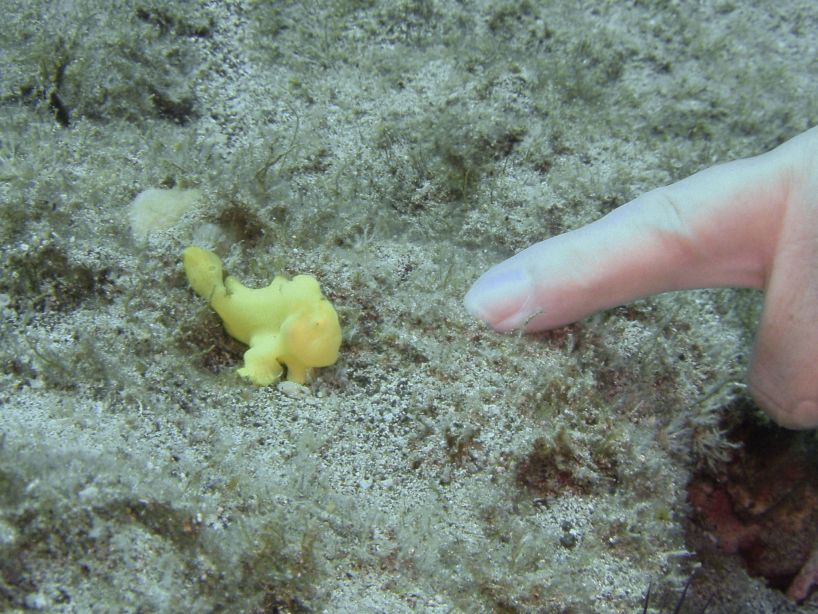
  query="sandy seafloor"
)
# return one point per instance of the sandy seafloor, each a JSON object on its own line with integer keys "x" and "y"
{"x": 394, "y": 150}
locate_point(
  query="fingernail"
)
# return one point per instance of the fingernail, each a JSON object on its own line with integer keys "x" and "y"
{"x": 498, "y": 295}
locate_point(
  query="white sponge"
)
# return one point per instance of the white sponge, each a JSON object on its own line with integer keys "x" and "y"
{"x": 159, "y": 209}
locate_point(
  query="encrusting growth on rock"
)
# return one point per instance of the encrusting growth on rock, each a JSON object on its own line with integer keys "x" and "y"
{"x": 288, "y": 323}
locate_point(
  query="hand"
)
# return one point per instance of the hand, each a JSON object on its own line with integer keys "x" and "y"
{"x": 751, "y": 223}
